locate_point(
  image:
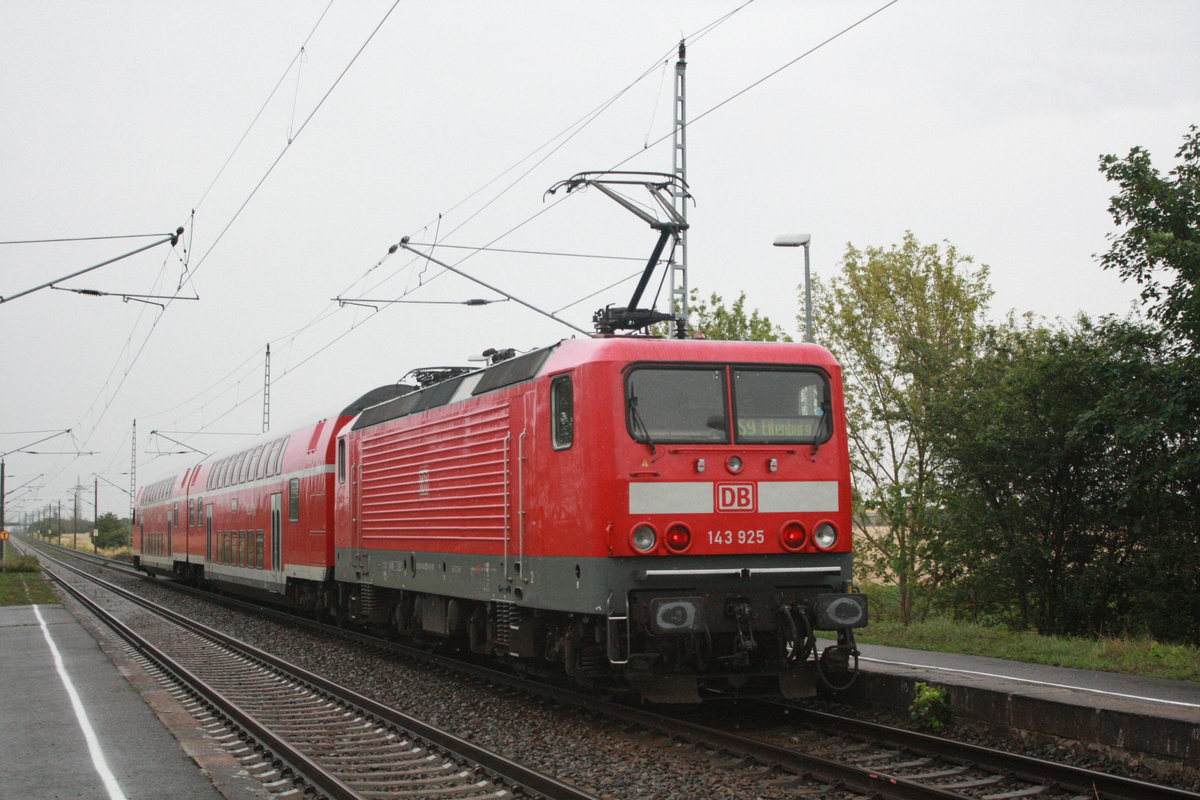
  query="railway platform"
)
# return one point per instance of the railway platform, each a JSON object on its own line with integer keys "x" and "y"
{"x": 79, "y": 722}
{"x": 1124, "y": 716}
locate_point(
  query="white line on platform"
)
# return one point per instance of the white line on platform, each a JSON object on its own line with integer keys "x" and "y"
{"x": 1036, "y": 682}
{"x": 93, "y": 742}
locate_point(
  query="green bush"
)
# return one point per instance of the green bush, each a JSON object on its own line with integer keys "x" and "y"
{"x": 930, "y": 709}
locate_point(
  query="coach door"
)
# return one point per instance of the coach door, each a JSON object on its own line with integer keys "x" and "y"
{"x": 277, "y": 531}
{"x": 208, "y": 516}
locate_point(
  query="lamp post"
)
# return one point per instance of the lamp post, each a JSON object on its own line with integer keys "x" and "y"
{"x": 801, "y": 240}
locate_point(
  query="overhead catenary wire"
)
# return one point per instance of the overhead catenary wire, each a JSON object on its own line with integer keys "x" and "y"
{"x": 565, "y": 135}
{"x": 440, "y": 239}
{"x": 187, "y": 276}
{"x": 767, "y": 77}
{"x": 263, "y": 108}
{"x": 568, "y": 133}
{"x": 291, "y": 141}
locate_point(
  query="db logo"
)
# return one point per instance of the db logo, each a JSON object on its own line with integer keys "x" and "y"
{"x": 735, "y": 497}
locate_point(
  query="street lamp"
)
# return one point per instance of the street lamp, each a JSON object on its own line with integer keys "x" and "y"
{"x": 801, "y": 240}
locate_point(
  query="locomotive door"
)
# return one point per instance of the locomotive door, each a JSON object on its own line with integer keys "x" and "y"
{"x": 276, "y": 531}
{"x": 521, "y": 414}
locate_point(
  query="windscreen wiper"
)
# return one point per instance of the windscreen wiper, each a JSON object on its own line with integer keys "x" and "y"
{"x": 824, "y": 422}
{"x": 637, "y": 419}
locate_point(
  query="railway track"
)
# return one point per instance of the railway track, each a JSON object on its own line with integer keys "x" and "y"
{"x": 317, "y": 735}
{"x": 808, "y": 753}
{"x": 957, "y": 769}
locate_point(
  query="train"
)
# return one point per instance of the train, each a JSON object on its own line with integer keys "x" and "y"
{"x": 667, "y": 517}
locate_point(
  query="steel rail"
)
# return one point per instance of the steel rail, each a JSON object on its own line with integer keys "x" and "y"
{"x": 1077, "y": 779}
{"x": 301, "y": 766}
{"x": 504, "y": 769}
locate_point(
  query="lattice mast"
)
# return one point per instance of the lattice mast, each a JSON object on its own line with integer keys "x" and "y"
{"x": 266, "y": 418}
{"x": 679, "y": 195}
{"x": 132, "y": 471}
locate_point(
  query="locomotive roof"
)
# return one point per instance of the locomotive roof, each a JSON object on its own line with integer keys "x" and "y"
{"x": 572, "y": 352}
{"x": 505, "y": 373}
{"x": 645, "y": 348}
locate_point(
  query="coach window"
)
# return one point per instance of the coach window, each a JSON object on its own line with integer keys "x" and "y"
{"x": 562, "y": 411}
{"x": 294, "y": 500}
{"x": 277, "y": 455}
{"x": 341, "y": 460}
{"x": 252, "y": 471}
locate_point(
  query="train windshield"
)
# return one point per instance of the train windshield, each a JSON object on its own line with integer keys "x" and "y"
{"x": 667, "y": 404}
{"x": 781, "y": 406}
{"x": 690, "y": 405}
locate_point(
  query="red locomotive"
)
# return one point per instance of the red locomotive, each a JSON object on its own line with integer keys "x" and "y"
{"x": 671, "y": 513}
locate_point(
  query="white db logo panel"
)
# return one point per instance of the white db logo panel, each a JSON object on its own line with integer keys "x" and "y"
{"x": 735, "y": 497}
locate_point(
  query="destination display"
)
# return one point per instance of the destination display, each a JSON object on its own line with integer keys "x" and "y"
{"x": 777, "y": 427}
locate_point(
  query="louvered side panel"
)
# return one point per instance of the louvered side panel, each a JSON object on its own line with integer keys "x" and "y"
{"x": 437, "y": 481}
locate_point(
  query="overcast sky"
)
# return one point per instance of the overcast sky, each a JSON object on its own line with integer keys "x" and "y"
{"x": 976, "y": 123}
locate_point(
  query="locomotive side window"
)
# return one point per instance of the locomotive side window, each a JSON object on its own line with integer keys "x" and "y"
{"x": 294, "y": 500}
{"x": 676, "y": 405}
{"x": 562, "y": 412}
{"x": 341, "y": 460}
{"x": 781, "y": 406}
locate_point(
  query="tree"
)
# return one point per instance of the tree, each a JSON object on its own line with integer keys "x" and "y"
{"x": 899, "y": 320}
{"x": 714, "y": 321}
{"x": 1159, "y": 247}
{"x": 1054, "y": 513}
{"x": 110, "y": 531}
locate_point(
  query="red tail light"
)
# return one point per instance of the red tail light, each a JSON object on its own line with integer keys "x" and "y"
{"x": 793, "y": 535}
{"x": 679, "y": 538}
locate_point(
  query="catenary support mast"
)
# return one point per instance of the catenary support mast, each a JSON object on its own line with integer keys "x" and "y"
{"x": 679, "y": 196}
{"x": 267, "y": 392}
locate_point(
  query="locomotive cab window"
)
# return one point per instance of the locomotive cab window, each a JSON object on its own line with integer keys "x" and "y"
{"x": 562, "y": 412}
{"x": 781, "y": 406}
{"x": 673, "y": 404}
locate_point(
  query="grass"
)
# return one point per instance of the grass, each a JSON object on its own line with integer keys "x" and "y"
{"x": 1132, "y": 655}
{"x": 22, "y": 583}
{"x": 83, "y": 543}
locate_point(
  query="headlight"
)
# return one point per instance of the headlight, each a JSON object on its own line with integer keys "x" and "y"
{"x": 825, "y": 536}
{"x": 734, "y": 464}
{"x": 644, "y": 538}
